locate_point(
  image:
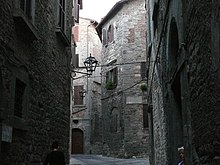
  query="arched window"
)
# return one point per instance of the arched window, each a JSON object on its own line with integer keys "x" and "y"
{"x": 110, "y": 33}
{"x": 104, "y": 37}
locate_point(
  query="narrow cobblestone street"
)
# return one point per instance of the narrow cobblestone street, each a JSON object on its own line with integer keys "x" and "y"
{"x": 102, "y": 160}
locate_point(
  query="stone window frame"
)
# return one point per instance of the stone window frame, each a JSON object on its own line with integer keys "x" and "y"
{"x": 112, "y": 77}
{"x": 24, "y": 7}
{"x": 24, "y": 18}
{"x": 104, "y": 37}
{"x": 77, "y": 6}
{"x": 20, "y": 122}
{"x": 61, "y": 15}
{"x": 20, "y": 87}
{"x": 110, "y": 33}
{"x": 61, "y": 21}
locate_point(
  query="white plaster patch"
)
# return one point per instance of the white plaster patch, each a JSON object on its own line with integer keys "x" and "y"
{"x": 134, "y": 100}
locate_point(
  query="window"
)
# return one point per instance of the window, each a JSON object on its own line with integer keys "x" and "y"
{"x": 145, "y": 116}
{"x": 112, "y": 78}
{"x": 78, "y": 100}
{"x": 104, "y": 37}
{"x": 25, "y": 5}
{"x": 76, "y": 33}
{"x": 77, "y": 6}
{"x": 61, "y": 25}
{"x": 24, "y": 12}
{"x": 19, "y": 97}
{"x": 110, "y": 34}
{"x": 62, "y": 14}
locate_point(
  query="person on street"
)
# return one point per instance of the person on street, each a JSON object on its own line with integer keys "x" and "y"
{"x": 181, "y": 155}
{"x": 55, "y": 157}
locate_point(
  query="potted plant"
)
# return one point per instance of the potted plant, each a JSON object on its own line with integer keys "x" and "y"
{"x": 109, "y": 85}
{"x": 143, "y": 86}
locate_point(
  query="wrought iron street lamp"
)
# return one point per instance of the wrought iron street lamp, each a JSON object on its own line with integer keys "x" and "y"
{"x": 90, "y": 64}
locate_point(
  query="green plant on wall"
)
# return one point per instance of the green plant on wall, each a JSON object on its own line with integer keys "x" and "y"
{"x": 109, "y": 85}
{"x": 143, "y": 86}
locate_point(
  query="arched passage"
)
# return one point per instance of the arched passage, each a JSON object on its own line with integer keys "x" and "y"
{"x": 175, "y": 113}
{"x": 77, "y": 141}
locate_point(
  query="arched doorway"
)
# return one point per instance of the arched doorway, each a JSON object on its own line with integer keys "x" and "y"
{"x": 175, "y": 104}
{"x": 77, "y": 141}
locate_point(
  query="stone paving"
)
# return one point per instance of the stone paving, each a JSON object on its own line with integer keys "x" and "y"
{"x": 103, "y": 160}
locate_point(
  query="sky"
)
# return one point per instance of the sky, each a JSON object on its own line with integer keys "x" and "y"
{"x": 96, "y": 9}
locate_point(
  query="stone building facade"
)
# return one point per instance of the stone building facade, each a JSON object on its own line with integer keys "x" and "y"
{"x": 34, "y": 79}
{"x": 124, "y": 117}
{"x": 183, "y": 80}
{"x": 86, "y": 101}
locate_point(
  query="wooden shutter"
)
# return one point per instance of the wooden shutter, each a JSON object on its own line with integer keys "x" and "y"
{"x": 76, "y": 33}
{"x": 104, "y": 37}
{"x": 78, "y": 100}
{"x": 76, "y": 11}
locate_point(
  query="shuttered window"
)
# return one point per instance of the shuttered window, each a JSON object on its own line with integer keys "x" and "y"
{"x": 78, "y": 100}
{"x": 76, "y": 10}
{"x": 26, "y": 6}
{"x": 104, "y": 37}
{"x": 110, "y": 33}
{"x": 62, "y": 14}
{"x": 76, "y": 33}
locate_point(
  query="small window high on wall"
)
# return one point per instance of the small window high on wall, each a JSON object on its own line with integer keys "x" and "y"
{"x": 19, "y": 97}
{"x": 78, "y": 99}
{"x": 62, "y": 14}
{"x": 112, "y": 79}
{"x": 110, "y": 33}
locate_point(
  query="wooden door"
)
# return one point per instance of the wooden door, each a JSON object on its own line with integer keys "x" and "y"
{"x": 77, "y": 141}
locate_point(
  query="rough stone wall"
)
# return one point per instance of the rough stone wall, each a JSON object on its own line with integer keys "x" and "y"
{"x": 125, "y": 100}
{"x": 202, "y": 38}
{"x": 198, "y": 29}
{"x": 43, "y": 65}
{"x": 156, "y": 51}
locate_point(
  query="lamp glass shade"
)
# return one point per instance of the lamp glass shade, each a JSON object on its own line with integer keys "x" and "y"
{"x": 90, "y": 64}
